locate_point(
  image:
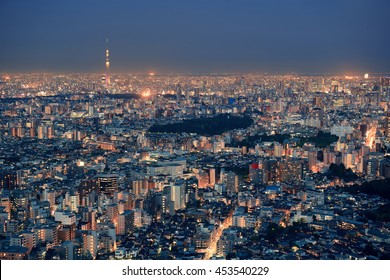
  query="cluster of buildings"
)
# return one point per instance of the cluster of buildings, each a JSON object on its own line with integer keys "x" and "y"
{"x": 82, "y": 177}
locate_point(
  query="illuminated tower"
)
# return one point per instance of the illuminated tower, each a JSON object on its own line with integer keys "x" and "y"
{"x": 107, "y": 65}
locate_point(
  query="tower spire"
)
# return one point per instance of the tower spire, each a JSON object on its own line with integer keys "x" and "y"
{"x": 107, "y": 65}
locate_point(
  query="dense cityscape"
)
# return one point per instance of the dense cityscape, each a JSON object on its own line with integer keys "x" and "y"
{"x": 209, "y": 166}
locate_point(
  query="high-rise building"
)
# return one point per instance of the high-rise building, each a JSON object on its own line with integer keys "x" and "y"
{"x": 41, "y": 132}
{"x": 107, "y": 183}
{"x": 221, "y": 175}
{"x": 13, "y": 253}
{"x": 255, "y": 173}
{"x": 203, "y": 178}
{"x": 137, "y": 218}
{"x": 271, "y": 171}
{"x": 72, "y": 250}
{"x": 8, "y": 180}
{"x": 20, "y": 131}
{"x": 31, "y": 239}
{"x": 91, "y": 110}
{"x": 89, "y": 217}
{"x": 47, "y": 233}
{"x": 231, "y": 182}
{"x": 32, "y": 132}
{"x": 278, "y": 150}
{"x": 177, "y": 198}
{"x": 312, "y": 160}
{"x": 6, "y": 203}
{"x": 72, "y": 201}
{"x": 387, "y": 126}
{"x": 112, "y": 213}
{"x": 291, "y": 170}
{"x": 218, "y": 146}
{"x": 125, "y": 222}
{"x": 212, "y": 176}
{"x": 47, "y": 110}
{"x": 90, "y": 244}
{"x": 50, "y": 132}
{"x": 65, "y": 218}
{"x": 139, "y": 187}
{"x": 385, "y": 168}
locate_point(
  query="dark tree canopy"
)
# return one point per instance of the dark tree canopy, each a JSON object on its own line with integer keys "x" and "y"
{"x": 205, "y": 126}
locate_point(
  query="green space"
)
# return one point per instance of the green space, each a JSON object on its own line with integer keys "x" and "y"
{"x": 382, "y": 214}
{"x": 339, "y": 171}
{"x": 376, "y": 187}
{"x": 320, "y": 140}
{"x": 205, "y": 126}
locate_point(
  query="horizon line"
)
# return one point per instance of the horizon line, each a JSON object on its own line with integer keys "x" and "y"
{"x": 197, "y": 73}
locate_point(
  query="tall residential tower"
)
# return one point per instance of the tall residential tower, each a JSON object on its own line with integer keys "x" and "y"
{"x": 107, "y": 65}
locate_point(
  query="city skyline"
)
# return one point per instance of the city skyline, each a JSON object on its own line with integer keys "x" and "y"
{"x": 194, "y": 167}
{"x": 223, "y": 36}
{"x": 207, "y": 130}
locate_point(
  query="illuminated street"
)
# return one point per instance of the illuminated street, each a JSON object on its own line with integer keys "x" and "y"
{"x": 212, "y": 249}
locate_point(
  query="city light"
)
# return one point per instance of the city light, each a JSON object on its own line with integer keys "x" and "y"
{"x": 170, "y": 142}
{"x": 185, "y": 173}
{"x": 370, "y": 137}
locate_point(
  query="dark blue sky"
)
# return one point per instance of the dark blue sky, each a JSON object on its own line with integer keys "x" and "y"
{"x": 199, "y": 35}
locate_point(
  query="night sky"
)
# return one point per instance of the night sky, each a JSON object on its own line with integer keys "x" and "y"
{"x": 196, "y": 36}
